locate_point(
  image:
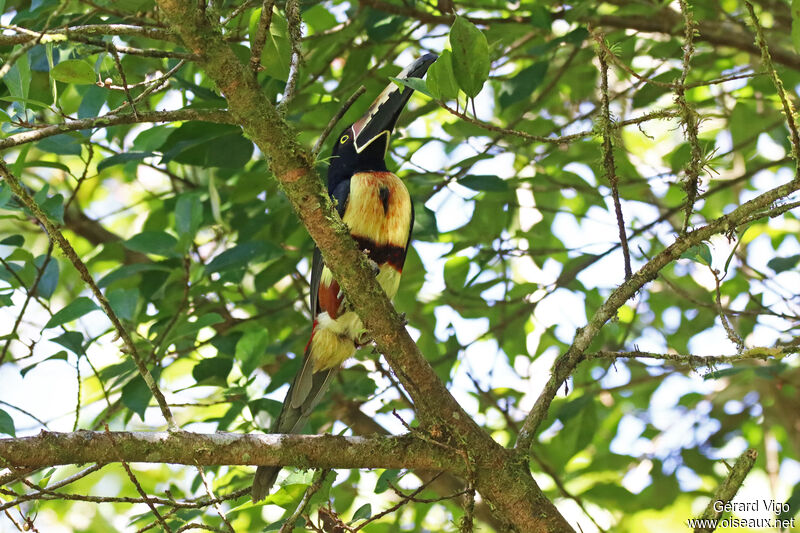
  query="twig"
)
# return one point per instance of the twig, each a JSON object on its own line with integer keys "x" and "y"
{"x": 118, "y": 63}
{"x": 728, "y": 488}
{"x": 86, "y": 30}
{"x": 155, "y": 85}
{"x": 567, "y": 362}
{"x": 24, "y": 412}
{"x": 207, "y": 115}
{"x": 608, "y": 160}
{"x": 236, "y": 12}
{"x": 82, "y": 178}
{"x": 84, "y": 274}
{"x": 139, "y": 488}
{"x": 788, "y": 108}
{"x": 691, "y": 119}
{"x": 196, "y": 525}
{"x": 295, "y": 31}
{"x": 759, "y": 353}
{"x": 212, "y": 498}
{"x": 29, "y": 295}
{"x": 14, "y": 56}
{"x": 405, "y": 498}
{"x": 288, "y": 525}
{"x": 335, "y": 119}
{"x": 36, "y": 39}
{"x": 261, "y": 35}
{"x": 723, "y": 317}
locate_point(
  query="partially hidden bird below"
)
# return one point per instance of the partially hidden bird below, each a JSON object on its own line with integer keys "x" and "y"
{"x": 377, "y": 208}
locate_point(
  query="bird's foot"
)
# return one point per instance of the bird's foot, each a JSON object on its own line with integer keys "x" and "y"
{"x": 374, "y": 267}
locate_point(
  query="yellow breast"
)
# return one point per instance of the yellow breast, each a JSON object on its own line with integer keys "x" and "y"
{"x": 365, "y": 214}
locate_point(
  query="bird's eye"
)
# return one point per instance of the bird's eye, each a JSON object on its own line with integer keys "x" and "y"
{"x": 343, "y": 139}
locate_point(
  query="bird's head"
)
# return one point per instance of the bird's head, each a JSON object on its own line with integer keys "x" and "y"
{"x": 362, "y": 146}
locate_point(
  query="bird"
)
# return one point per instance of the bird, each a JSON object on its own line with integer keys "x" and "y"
{"x": 377, "y": 208}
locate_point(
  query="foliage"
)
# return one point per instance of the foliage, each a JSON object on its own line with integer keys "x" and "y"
{"x": 202, "y": 258}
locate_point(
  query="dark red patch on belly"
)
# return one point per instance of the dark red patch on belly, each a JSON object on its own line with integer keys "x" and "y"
{"x": 329, "y": 298}
{"x": 382, "y": 254}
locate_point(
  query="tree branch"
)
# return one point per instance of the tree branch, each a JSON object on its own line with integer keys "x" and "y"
{"x": 90, "y": 30}
{"x": 507, "y": 484}
{"x": 728, "y": 488}
{"x": 566, "y": 363}
{"x": 183, "y": 447}
{"x": 205, "y": 115}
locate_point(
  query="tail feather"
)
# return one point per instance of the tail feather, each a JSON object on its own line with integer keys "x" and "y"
{"x": 291, "y": 420}
{"x": 264, "y": 479}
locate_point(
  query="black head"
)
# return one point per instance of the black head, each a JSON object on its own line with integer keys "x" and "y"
{"x": 362, "y": 146}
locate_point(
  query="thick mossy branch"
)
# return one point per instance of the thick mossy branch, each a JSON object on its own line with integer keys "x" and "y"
{"x": 203, "y": 115}
{"x": 728, "y": 488}
{"x": 182, "y": 447}
{"x": 503, "y": 481}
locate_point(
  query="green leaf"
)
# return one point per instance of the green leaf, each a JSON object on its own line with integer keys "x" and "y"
{"x": 5, "y": 194}
{"x": 470, "y": 56}
{"x": 251, "y": 348}
{"x": 71, "y": 340}
{"x": 699, "y": 253}
{"x": 79, "y": 307}
{"x": 92, "y": 101}
{"x": 188, "y": 215}
{"x": 49, "y": 279}
{"x": 60, "y": 356}
{"x": 782, "y": 264}
{"x": 63, "y": 144}
{"x": 213, "y": 371}
{"x": 386, "y": 477}
{"x": 540, "y": 17}
{"x": 796, "y": 25}
{"x": 382, "y": 26}
{"x": 241, "y": 255}
{"x": 362, "y": 513}
{"x": 580, "y": 431}
{"x": 74, "y": 71}
{"x": 153, "y": 242}
{"x": 793, "y": 504}
{"x": 417, "y": 84}
{"x": 123, "y": 302}
{"x": 6, "y": 424}
{"x": 523, "y": 84}
{"x": 186, "y": 328}
{"x": 18, "y": 77}
{"x": 152, "y": 139}
{"x": 288, "y": 495}
{"x": 484, "y": 183}
{"x": 207, "y": 145}
{"x": 136, "y": 396}
{"x": 13, "y": 240}
{"x": 126, "y": 271}
{"x": 441, "y": 81}
{"x": 53, "y": 207}
{"x": 725, "y": 372}
{"x": 455, "y": 272}
{"x": 120, "y": 159}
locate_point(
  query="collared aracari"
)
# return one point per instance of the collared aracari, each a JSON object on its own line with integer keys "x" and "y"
{"x": 376, "y": 207}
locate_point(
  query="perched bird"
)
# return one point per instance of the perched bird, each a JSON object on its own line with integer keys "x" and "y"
{"x": 376, "y": 207}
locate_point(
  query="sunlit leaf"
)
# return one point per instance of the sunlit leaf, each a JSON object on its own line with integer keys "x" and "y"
{"x": 470, "y": 56}
{"x": 79, "y": 307}
{"x": 74, "y": 71}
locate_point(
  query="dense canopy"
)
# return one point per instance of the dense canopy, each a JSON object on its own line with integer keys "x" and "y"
{"x": 603, "y": 272}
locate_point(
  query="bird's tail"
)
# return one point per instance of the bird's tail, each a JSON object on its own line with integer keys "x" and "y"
{"x": 294, "y": 413}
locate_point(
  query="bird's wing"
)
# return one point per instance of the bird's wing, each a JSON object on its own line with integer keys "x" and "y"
{"x": 306, "y": 382}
